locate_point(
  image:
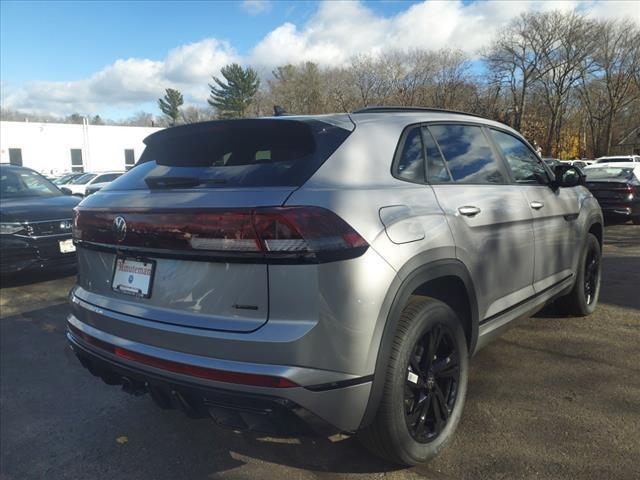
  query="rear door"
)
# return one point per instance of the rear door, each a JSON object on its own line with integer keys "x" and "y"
{"x": 489, "y": 218}
{"x": 554, "y": 212}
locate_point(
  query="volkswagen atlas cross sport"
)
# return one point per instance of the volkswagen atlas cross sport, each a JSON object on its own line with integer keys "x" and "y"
{"x": 326, "y": 273}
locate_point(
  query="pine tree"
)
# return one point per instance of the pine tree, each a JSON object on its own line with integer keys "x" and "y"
{"x": 170, "y": 104}
{"x": 232, "y": 95}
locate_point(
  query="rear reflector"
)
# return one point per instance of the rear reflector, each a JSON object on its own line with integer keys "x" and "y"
{"x": 312, "y": 233}
{"x": 183, "y": 368}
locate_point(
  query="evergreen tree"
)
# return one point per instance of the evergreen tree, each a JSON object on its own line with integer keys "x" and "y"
{"x": 170, "y": 104}
{"x": 232, "y": 95}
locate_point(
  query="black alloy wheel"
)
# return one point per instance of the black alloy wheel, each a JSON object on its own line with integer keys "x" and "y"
{"x": 591, "y": 274}
{"x": 431, "y": 386}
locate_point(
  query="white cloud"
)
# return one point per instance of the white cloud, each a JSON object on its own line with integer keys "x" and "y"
{"x": 128, "y": 83}
{"x": 333, "y": 34}
{"x": 256, "y": 7}
{"x": 339, "y": 30}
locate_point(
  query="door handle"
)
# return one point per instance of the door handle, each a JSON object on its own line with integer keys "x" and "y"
{"x": 469, "y": 211}
{"x": 536, "y": 205}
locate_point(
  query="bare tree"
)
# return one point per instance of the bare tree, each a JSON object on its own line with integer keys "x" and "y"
{"x": 515, "y": 58}
{"x": 450, "y": 78}
{"x": 562, "y": 65}
{"x": 193, "y": 114}
{"x": 611, "y": 84}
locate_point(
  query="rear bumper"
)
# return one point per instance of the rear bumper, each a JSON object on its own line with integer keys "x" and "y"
{"x": 23, "y": 253}
{"x": 620, "y": 209}
{"x": 322, "y": 408}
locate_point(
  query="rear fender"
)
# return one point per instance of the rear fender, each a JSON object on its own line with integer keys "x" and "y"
{"x": 398, "y": 296}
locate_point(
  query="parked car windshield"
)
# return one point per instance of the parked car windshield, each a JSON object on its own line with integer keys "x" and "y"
{"x": 609, "y": 174}
{"x": 236, "y": 153}
{"x": 25, "y": 183}
{"x": 84, "y": 179}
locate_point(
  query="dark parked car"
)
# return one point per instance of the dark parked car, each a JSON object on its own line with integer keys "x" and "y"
{"x": 617, "y": 188}
{"x": 35, "y": 221}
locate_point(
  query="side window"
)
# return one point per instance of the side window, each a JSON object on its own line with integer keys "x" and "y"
{"x": 524, "y": 164}
{"x": 110, "y": 177}
{"x": 468, "y": 154}
{"x": 436, "y": 169}
{"x": 410, "y": 164}
{"x": 262, "y": 155}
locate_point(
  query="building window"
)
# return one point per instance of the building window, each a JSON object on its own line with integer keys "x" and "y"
{"x": 76, "y": 160}
{"x": 129, "y": 158}
{"x": 15, "y": 156}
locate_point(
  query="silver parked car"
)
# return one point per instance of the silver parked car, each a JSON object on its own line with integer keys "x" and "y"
{"x": 323, "y": 273}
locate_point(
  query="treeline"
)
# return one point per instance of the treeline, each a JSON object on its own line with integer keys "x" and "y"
{"x": 569, "y": 83}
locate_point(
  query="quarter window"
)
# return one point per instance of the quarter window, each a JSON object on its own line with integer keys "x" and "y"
{"x": 468, "y": 154}
{"x": 524, "y": 164}
{"x": 436, "y": 169}
{"x": 410, "y": 164}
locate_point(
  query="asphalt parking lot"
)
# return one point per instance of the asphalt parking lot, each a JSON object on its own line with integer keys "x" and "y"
{"x": 553, "y": 398}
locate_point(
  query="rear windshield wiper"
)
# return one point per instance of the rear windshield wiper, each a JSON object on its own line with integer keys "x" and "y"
{"x": 181, "y": 182}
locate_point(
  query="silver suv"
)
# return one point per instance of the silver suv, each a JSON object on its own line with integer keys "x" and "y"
{"x": 326, "y": 273}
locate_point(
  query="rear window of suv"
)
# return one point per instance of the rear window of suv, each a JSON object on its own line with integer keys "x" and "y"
{"x": 236, "y": 153}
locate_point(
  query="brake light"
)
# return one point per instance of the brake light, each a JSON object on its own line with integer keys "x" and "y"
{"x": 304, "y": 229}
{"x": 273, "y": 233}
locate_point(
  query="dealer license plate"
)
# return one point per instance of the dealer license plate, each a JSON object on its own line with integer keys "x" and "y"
{"x": 133, "y": 276}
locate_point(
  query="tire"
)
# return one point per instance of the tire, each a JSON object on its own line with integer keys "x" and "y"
{"x": 582, "y": 300}
{"x": 393, "y": 434}
{"x": 636, "y": 220}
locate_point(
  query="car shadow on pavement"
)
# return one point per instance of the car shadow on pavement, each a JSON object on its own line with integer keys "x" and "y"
{"x": 88, "y": 419}
{"x": 618, "y": 274}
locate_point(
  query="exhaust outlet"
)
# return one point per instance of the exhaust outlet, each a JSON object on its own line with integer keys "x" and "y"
{"x": 133, "y": 387}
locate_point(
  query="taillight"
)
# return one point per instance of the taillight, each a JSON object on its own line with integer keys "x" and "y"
{"x": 274, "y": 234}
{"x": 304, "y": 229}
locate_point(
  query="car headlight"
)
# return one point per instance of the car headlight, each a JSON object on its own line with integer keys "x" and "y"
{"x": 10, "y": 228}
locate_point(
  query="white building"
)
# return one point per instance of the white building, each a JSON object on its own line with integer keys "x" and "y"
{"x": 55, "y": 148}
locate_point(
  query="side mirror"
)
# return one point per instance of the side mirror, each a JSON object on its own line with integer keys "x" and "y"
{"x": 568, "y": 176}
{"x": 66, "y": 191}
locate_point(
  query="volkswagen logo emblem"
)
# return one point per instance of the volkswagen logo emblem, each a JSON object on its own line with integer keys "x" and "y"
{"x": 119, "y": 228}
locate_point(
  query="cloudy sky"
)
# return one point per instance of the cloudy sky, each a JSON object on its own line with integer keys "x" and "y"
{"x": 116, "y": 58}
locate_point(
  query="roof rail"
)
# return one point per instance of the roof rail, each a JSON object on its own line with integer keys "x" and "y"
{"x": 411, "y": 109}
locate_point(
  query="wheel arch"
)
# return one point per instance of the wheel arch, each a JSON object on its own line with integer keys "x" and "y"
{"x": 441, "y": 279}
{"x": 596, "y": 228}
